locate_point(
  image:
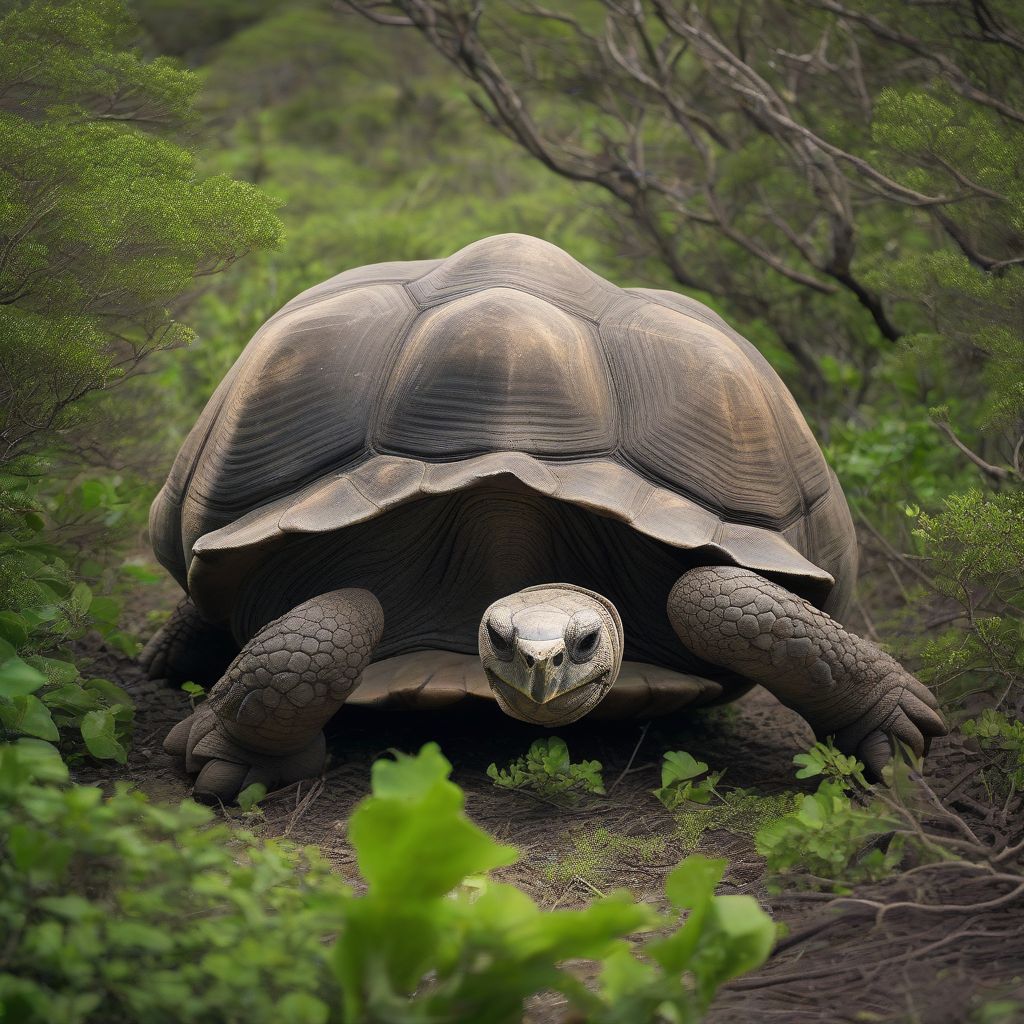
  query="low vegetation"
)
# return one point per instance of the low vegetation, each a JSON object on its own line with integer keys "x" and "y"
{"x": 546, "y": 770}
{"x": 116, "y": 909}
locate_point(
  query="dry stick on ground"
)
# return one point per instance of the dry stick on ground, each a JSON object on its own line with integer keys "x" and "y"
{"x": 632, "y": 758}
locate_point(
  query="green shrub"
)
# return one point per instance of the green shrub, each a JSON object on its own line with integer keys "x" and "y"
{"x": 823, "y": 759}
{"x": 832, "y": 840}
{"x": 1001, "y": 740}
{"x": 44, "y": 607}
{"x": 545, "y": 769}
{"x": 838, "y": 835}
{"x": 976, "y": 549}
{"x": 118, "y": 910}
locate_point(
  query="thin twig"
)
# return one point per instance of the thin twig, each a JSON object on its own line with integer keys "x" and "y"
{"x": 632, "y": 757}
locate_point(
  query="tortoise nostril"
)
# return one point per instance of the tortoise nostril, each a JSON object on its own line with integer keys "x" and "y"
{"x": 557, "y": 660}
{"x": 529, "y": 661}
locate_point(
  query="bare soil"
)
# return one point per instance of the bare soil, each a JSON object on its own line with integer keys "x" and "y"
{"x": 842, "y": 961}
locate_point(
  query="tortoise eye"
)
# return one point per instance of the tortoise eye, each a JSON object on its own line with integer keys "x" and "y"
{"x": 586, "y": 645}
{"x": 501, "y": 644}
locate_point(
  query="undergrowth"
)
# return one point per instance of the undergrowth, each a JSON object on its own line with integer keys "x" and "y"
{"x": 118, "y": 910}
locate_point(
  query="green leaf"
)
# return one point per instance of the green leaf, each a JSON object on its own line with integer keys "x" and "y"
{"x": 691, "y": 884}
{"x": 110, "y": 692}
{"x": 18, "y": 679}
{"x": 679, "y": 766}
{"x": 81, "y": 597}
{"x": 251, "y": 796}
{"x": 30, "y": 759}
{"x": 302, "y": 1008}
{"x": 13, "y": 629}
{"x": 105, "y": 610}
{"x": 414, "y": 818}
{"x": 32, "y": 717}
{"x": 99, "y": 733}
{"x": 749, "y": 931}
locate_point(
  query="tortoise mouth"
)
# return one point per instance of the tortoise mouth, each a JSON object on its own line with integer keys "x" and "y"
{"x": 561, "y": 710}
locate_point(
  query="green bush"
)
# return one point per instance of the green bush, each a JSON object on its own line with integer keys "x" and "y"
{"x": 832, "y": 840}
{"x": 1001, "y": 740}
{"x": 837, "y": 836}
{"x": 118, "y": 910}
{"x": 976, "y": 549}
{"x": 44, "y": 608}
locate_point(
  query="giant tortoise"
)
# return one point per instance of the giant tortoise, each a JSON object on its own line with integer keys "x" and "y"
{"x": 500, "y": 475}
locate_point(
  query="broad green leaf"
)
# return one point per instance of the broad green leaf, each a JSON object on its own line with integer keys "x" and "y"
{"x": 105, "y": 609}
{"x": 98, "y": 732}
{"x": 622, "y": 974}
{"x": 13, "y": 629}
{"x": 749, "y": 930}
{"x": 412, "y": 840}
{"x": 679, "y": 766}
{"x": 18, "y": 679}
{"x": 32, "y": 717}
{"x": 111, "y": 692}
{"x": 302, "y": 1008}
{"x": 690, "y": 886}
{"x": 81, "y": 597}
{"x": 692, "y": 883}
{"x": 28, "y": 759}
{"x": 251, "y": 796}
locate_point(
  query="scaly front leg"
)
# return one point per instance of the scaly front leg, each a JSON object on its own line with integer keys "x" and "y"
{"x": 263, "y": 720}
{"x": 843, "y": 685}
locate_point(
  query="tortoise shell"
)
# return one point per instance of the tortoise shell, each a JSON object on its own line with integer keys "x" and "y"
{"x": 401, "y": 396}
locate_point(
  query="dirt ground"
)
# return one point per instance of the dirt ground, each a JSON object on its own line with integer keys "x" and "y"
{"x": 920, "y": 963}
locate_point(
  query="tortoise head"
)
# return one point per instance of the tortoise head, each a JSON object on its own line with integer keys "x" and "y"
{"x": 551, "y": 653}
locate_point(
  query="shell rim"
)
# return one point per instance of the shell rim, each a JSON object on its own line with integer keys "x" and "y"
{"x": 368, "y": 489}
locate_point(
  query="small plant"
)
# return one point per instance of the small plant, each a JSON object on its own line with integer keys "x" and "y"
{"x": 194, "y": 692}
{"x": 250, "y": 797}
{"x": 1001, "y": 738}
{"x": 830, "y": 837}
{"x": 546, "y": 770}
{"x": 823, "y": 759}
{"x": 682, "y": 782}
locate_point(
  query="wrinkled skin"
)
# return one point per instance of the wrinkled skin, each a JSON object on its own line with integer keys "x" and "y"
{"x": 844, "y": 685}
{"x": 263, "y": 720}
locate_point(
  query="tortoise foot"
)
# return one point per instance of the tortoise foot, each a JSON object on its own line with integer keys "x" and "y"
{"x": 845, "y": 686}
{"x": 263, "y": 721}
{"x": 187, "y": 648}
{"x": 224, "y": 767}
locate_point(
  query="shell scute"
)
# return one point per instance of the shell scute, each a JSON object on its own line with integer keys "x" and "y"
{"x": 507, "y": 359}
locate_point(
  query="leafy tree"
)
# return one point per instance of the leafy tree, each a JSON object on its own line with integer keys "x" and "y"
{"x": 769, "y": 155}
{"x": 105, "y": 220}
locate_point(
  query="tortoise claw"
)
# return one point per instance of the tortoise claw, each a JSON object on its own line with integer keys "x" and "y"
{"x": 225, "y": 767}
